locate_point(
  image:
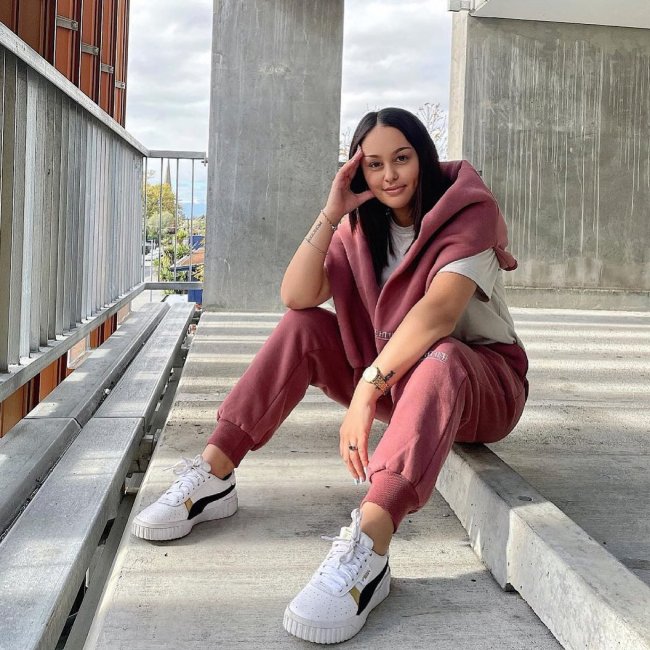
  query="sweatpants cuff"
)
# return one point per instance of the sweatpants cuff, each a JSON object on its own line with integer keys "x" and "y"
{"x": 393, "y": 493}
{"x": 233, "y": 441}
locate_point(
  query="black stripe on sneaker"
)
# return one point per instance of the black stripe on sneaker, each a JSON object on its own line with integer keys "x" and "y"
{"x": 369, "y": 590}
{"x": 199, "y": 506}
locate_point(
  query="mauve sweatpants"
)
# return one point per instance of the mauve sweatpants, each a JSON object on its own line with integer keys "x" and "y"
{"x": 455, "y": 393}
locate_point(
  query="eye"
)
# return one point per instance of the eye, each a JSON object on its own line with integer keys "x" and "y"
{"x": 374, "y": 165}
{"x": 402, "y": 158}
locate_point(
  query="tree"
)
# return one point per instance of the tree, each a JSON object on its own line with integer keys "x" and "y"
{"x": 155, "y": 194}
{"x": 344, "y": 144}
{"x": 434, "y": 119}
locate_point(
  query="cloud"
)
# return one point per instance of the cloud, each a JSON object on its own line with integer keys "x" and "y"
{"x": 168, "y": 95}
{"x": 396, "y": 52}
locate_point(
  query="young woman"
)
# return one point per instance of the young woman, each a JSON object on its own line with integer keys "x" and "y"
{"x": 421, "y": 339}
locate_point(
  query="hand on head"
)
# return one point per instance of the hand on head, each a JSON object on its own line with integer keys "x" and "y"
{"x": 342, "y": 199}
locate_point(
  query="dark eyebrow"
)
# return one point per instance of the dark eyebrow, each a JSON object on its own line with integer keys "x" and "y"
{"x": 372, "y": 155}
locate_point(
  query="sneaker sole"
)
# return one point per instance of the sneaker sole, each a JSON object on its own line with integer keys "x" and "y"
{"x": 165, "y": 532}
{"x": 310, "y": 630}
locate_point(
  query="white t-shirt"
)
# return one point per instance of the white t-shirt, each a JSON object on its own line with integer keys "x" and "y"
{"x": 486, "y": 318}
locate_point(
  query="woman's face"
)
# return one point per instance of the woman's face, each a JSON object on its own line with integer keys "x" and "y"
{"x": 391, "y": 169}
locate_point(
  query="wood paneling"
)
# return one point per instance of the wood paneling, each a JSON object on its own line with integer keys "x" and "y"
{"x": 67, "y": 42}
{"x": 35, "y": 25}
{"x": 91, "y": 37}
{"x": 121, "y": 60}
{"x": 107, "y": 55}
{"x": 101, "y": 38}
{"x": 9, "y": 14}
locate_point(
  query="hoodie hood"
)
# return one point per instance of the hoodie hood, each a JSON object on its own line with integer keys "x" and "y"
{"x": 464, "y": 222}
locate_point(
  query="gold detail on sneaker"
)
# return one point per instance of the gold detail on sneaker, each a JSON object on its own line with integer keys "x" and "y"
{"x": 189, "y": 504}
{"x": 354, "y": 592}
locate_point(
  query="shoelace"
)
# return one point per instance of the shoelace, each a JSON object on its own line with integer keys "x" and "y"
{"x": 191, "y": 474}
{"x": 345, "y": 559}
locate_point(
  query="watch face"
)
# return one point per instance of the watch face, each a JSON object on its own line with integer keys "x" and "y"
{"x": 370, "y": 374}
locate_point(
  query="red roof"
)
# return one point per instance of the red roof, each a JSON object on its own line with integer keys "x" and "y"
{"x": 198, "y": 257}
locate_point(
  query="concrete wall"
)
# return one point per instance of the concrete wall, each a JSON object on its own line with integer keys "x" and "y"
{"x": 273, "y": 148}
{"x": 557, "y": 118}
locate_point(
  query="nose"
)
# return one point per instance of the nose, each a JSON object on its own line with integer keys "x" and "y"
{"x": 390, "y": 173}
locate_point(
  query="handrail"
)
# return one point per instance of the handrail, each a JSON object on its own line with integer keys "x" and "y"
{"x": 72, "y": 180}
{"x": 35, "y": 61}
{"x": 71, "y": 205}
{"x": 19, "y": 375}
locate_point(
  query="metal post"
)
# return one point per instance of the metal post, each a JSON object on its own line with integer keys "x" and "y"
{"x": 176, "y": 222}
{"x": 189, "y": 277}
{"x": 162, "y": 160}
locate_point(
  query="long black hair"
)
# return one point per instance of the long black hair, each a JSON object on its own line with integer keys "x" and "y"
{"x": 373, "y": 215}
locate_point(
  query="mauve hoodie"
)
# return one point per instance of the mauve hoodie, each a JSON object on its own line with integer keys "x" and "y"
{"x": 464, "y": 222}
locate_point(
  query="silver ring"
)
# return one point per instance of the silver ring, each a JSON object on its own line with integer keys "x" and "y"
{"x": 353, "y": 448}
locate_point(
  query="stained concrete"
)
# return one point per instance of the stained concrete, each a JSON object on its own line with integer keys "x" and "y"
{"x": 229, "y": 581}
{"x": 554, "y": 116}
{"x": 273, "y": 144}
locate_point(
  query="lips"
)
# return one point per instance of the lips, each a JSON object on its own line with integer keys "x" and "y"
{"x": 394, "y": 191}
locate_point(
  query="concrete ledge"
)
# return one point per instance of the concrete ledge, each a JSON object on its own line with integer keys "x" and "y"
{"x": 44, "y": 557}
{"x": 554, "y": 298}
{"x": 584, "y": 595}
{"x": 80, "y": 394}
{"x": 137, "y": 392}
{"x": 27, "y": 453}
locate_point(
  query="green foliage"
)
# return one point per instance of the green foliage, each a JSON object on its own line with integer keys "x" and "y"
{"x": 174, "y": 233}
{"x": 157, "y": 194}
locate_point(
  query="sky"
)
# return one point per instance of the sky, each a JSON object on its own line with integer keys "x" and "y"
{"x": 395, "y": 53}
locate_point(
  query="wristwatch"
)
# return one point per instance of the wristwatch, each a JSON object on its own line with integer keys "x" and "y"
{"x": 373, "y": 376}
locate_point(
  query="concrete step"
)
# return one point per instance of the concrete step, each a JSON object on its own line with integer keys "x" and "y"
{"x": 229, "y": 581}
{"x": 295, "y": 489}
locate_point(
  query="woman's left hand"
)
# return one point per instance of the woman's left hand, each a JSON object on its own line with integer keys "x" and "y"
{"x": 355, "y": 430}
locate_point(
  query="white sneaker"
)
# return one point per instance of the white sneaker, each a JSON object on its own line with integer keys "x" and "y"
{"x": 196, "y": 496}
{"x": 348, "y": 585}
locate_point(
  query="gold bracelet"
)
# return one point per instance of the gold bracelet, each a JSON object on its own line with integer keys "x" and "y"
{"x": 332, "y": 226}
{"x": 320, "y": 250}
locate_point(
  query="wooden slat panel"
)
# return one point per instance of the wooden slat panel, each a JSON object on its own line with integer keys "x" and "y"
{"x": 121, "y": 48}
{"x": 33, "y": 24}
{"x": 9, "y": 14}
{"x": 13, "y": 410}
{"x": 49, "y": 380}
{"x": 66, "y": 58}
{"x": 90, "y": 35}
{"x": 107, "y": 55}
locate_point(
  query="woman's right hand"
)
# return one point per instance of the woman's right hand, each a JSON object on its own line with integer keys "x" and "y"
{"x": 342, "y": 199}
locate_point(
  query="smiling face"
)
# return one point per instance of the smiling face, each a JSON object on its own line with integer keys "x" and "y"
{"x": 391, "y": 169}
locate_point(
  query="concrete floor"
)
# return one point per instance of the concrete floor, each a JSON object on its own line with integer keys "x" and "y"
{"x": 582, "y": 442}
{"x": 229, "y": 582}
{"x": 584, "y": 438}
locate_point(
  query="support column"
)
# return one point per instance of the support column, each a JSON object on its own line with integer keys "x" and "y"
{"x": 555, "y": 116}
{"x": 273, "y": 146}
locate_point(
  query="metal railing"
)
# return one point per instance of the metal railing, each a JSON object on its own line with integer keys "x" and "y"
{"x": 182, "y": 184}
{"x": 71, "y": 214}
